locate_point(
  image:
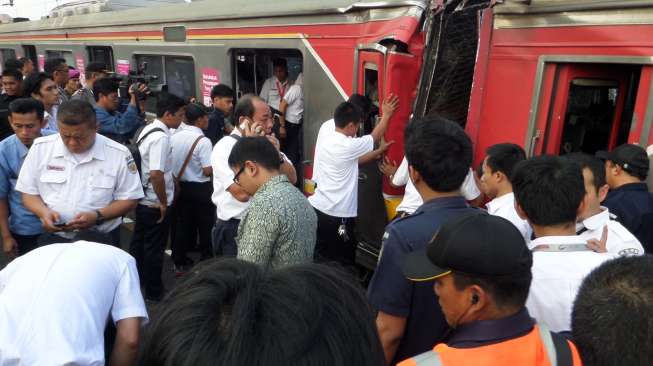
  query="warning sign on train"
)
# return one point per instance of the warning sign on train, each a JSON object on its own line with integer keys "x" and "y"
{"x": 210, "y": 78}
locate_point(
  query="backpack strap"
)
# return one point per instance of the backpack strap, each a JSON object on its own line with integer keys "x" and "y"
{"x": 429, "y": 358}
{"x": 235, "y": 137}
{"x": 556, "y": 346}
{"x": 138, "y": 142}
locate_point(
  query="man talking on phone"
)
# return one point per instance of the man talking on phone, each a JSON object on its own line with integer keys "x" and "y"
{"x": 252, "y": 117}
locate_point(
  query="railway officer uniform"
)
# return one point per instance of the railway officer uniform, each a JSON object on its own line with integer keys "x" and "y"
{"x": 620, "y": 240}
{"x": 291, "y": 145}
{"x": 72, "y": 183}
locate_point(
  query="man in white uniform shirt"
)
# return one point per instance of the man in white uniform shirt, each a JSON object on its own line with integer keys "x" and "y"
{"x": 79, "y": 183}
{"x": 337, "y": 155}
{"x": 290, "y": 123}
{"x": 499, "y": 163}
{"x": 195, "y": 211}
{"x": 252, "y": 117}
{"x": 595, "y": 218}
{"x": 549, "y": 191}
{"x": 152, "y": 215}
{"x": 55, "y": 302}
{"x": 275, "y": 88}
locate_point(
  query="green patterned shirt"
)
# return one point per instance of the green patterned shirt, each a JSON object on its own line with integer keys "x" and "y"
{"x": 279, "y": 227}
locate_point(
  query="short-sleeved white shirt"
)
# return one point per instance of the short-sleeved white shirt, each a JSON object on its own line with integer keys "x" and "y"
{"x": 181, "y": 141}
{"x": 295, "y": 99}
{"x": 227, "y": 207}
{"x": 557, "y": 276}
{"x": 620, "y": 240}
{"x": 156, "y": 154}
{"x": 504, "y": 206}
{"x": 105, "y": 174}
{"x": 270, "y": 91}
{"x": 55, "y": 302}
{"x": 336, "y": 165}
{"x": 326, "y": 128}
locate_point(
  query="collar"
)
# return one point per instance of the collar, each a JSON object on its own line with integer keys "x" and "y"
{"x": 192, "y": 128}
{"x": 267, "y": 186}
{"x": 632, "y": 187}
{"x": 236, "y": 132}
{"x": 597, "y": 221}
{"x": 97, "y": 150}
{"x": 20, "y": 147}
{"x": 276, "y": 80}
{"x": 501, "y": 201}
{"x": 548, "y": 240}
{"x": 485, "y": 332}
{"x": 443, "y": 202}
{"x": 161, "y": 125}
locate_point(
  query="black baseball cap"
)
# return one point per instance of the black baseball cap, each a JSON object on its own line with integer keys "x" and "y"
{"x": 631, "y": 158}
{"x": 475, "y": 244}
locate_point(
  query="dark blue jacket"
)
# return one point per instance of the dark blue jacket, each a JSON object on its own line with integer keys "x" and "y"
{"x": 633, "y": 205}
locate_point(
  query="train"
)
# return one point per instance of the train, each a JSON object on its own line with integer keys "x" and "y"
{"x": 552, "y": 76}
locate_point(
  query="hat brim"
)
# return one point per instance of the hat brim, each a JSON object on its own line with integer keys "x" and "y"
{"x": 417, "y": 267}
{"x": 603, "y": 155}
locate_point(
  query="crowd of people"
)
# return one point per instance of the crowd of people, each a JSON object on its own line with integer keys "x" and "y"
{"x": 530, "y": 261}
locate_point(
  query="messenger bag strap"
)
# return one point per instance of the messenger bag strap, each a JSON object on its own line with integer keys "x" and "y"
{"x": 190, "y": 154}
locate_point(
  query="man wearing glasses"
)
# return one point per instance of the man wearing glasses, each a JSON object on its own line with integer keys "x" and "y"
{"x": 78, "y": 183}
{"x": 58, "y": 70}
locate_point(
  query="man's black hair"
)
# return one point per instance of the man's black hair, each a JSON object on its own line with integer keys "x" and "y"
{"x": 258, "y": 149}
{"x": 549, "y": 189}
{"x": 280, "y": 62}
{"x": 593, "y": 164}
{"x": 508, "y": 292}
{"x": 221, "y": 91}
{"x": 440, "y": 151}
{"x": 26, "y": 106}
{"x": 232, "y": 312}
{"x": 95, "y": 66}
{"x": 346, "y": 113}
{"x": 13, "y": 64}
{"x": 503, "y": 158}
{"x": 194, "y": 112}
{"x": 32, "y": 83}
{"x": 612, "y": 318}
{"x": 104, "y": 86}
{"x": 76, "y": 112}
{"x": 362, "y": 102}
{"x": 168, "y": 102}
{"x": 14, "y": 73}
{"x": 52, "y": 64}
{"x": 245, "y": 107}
{"x": 24, "y": 60}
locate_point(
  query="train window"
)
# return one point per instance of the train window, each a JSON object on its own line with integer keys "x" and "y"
{"x": 253, "y": 66}
{"x": 174, "y": 74}
{"x": 30, "y": 53}
{"x": 101, "y": 54}
{"x": 371, "y": 90}
{"x": 66, "y": 55}
{"x": 7, "y": 54}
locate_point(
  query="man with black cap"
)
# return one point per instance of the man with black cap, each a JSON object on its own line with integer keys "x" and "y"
{"x": 481, "y": 268}
{"x": 626, "y": 169}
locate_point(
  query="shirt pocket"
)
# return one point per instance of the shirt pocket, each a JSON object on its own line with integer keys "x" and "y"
{"x": 52, "y": 185}
{"x": 101, "y": 189}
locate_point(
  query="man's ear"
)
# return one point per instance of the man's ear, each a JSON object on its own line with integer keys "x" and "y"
{"x": 414, "y": 175}
{"x": 603, "y": 192}
{"x": 520, "y": 211}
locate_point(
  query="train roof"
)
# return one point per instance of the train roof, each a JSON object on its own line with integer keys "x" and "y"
{"x": 210, "y": 10}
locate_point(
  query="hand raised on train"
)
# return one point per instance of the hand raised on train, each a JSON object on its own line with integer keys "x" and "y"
{"x": 390, "y": 105}
{"x": 388, "y": 167}
{"x": 599, "y": 246}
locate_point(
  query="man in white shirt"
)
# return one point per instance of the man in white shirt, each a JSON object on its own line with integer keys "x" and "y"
{"x": 499, "y": 163}
{"x": 290, "y": 125}
{"x": 337, "y": 155}
{"x": 55, "y": 302}
{"x": 275, "y": 88}
{"x": 549, "y": 192}
{"x": 79, "y": 183}
{"x": 152, "y": 217}
{"x": 252, "y": 117}
{"x": 595, "y": 218}
{"x": 195, "y": 211}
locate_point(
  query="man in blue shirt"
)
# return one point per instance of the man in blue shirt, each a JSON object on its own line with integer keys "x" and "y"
{"x": 409, "y": 318}
{"x": 19, "y": 227}
{"x": 115, "y": 125}
{"x": 626, "y": 169}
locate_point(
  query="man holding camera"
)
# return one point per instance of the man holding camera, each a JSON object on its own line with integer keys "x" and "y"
{"x": 113, "y": 124}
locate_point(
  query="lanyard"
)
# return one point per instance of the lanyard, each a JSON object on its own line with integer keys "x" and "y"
{"x": 562, "y": 248}
{"x": 282, "y": 91}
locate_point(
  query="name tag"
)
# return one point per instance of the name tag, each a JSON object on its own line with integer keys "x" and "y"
{"x": 562, "y": 248}
{"x": 57, "y": 168}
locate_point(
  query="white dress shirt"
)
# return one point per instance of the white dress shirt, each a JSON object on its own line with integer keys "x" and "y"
{"x": 504, "y": 206}
{"x": 620, "y": 240}
{"x": 181, "y": 142}
{"x": 73, "y": 183}
{"x": 336, "y": 165}
{"x": 156, "y": 154}
{"x": 326, "y": 128}
{"x": 557, "y": 277}
{"x": 273, "y": 90}
{"x": 56, "y": 299}
{"x": 227, "y": 206}
{"x": 295, "y": 99}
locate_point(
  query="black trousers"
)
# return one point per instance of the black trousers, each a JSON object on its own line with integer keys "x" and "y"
{"x": 110, "y": 238}
{"x": 26, "y": 243}
{"x": 195, "y": 217}
{"x": 224, "y": 238}
{"x": 147, "y": 246}
{"x": 292, "y": 147}
{"x": 330, "y": 245}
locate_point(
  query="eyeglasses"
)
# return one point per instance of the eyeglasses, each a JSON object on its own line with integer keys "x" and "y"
{"x": 242, "y": 169}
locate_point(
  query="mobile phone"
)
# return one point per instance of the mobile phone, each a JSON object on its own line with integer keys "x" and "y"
{"x": 60, "y": 224}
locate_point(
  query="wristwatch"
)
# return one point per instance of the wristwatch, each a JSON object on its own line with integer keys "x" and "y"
{"x": 100, "y": 219}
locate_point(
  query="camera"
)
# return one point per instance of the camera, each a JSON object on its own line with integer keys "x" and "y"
{"x": 133, "y": 81}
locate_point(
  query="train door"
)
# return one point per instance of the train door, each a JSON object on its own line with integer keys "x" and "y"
{"x": 591, "y": 108}
{"x": 30, "y": 52}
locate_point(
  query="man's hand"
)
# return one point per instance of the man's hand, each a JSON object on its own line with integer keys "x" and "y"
{"x": 274, "y": 142}
{"x": 162, "y": 209}
{"x": 82, "y": 221}
{"x": 48, "y": 220}
{"x": 9, "y": 246}
{"x": 599, "y": 246}
{"x": 384, "y": 146}
{"x": 253, "y": 130}
{"x": 388, "y": 167}
{"x": 390, "y": 105}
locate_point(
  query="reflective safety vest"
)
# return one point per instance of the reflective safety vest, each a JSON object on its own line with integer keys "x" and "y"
{"x": 537, "y": 348}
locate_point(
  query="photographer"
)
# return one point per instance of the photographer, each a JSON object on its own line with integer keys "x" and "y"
{"x": 113, "y": 124}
